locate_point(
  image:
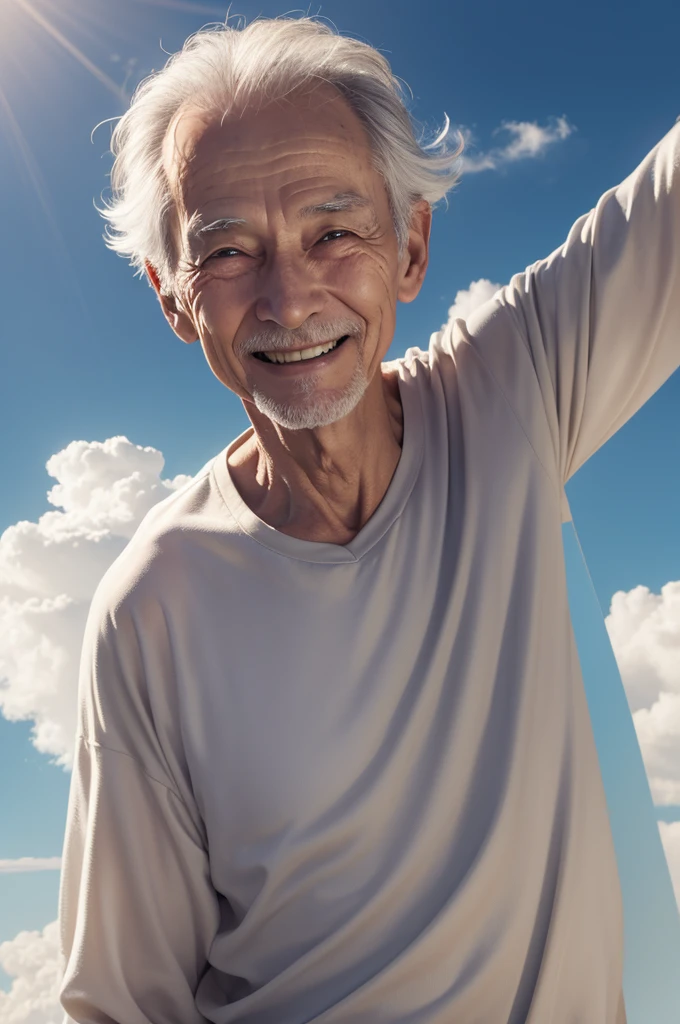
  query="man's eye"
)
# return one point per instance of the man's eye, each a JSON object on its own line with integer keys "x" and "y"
{"x": 225, "y": 252}
{"x": 336, "y": 234}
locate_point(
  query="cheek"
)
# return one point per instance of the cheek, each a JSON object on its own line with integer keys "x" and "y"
{"x": 216, "y": 312}
{"x": 367, "y": 279}
{"x": 217, "y": 320}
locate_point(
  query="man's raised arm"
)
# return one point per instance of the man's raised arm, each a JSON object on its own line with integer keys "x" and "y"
{"x": 583, "y": 338}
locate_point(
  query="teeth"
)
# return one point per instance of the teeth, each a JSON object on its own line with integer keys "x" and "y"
{"x": 305, "y": 353}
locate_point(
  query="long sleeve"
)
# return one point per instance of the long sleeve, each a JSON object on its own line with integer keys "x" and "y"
{"x": 137, "y": 909}
{"x": 583, "y": 338}
{"x": 137, "y": 913}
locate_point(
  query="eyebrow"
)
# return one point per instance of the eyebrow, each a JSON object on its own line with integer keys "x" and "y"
{"x": 339, "y": 203}
{"x": 196, "y": 229}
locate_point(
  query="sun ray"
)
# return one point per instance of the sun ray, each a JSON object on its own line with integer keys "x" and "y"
{"x": 92, "y": 17}
{"x": 78, "y": 22}
{"x": 27, "y": 157}
{"x": 182, "y": 5}
{"x": 36, "y": 180}
{"x": 73, "y": 50}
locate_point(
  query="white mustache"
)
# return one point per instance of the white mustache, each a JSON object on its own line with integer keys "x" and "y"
{"x": 316, "y": 332}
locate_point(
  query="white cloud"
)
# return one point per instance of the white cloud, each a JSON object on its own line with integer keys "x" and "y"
{"x": 467, "y": 299}
{"x": 33, "y": 961}
{"x": 670, "y": 837}
{"x": 527, "y": 140}
{"x": 644, "y": 629}
{"x": 50, "y": 569}
{"x": 9, "y": 867}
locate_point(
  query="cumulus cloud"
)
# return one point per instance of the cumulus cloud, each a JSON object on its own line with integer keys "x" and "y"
{"x": 50, "y": 569}
{"x": 467, "y": 299}
{"x": 9, "y": 867}
{"x": 525, "y": 140}
{"x": 644, "y": 629}
{"x": 33, "y": 962}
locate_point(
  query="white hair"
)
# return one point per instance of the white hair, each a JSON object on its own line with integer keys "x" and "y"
{"x": 220, "y": 67}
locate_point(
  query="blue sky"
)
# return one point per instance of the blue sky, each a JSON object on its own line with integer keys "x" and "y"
{"x": 87, "y": 355}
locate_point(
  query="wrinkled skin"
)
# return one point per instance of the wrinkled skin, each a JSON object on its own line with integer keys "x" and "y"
{"x": 281, "y": 272}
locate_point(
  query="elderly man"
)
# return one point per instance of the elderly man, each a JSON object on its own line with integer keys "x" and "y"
{"x": 334, "y": 760}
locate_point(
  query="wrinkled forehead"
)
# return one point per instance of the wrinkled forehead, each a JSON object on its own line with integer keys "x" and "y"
{"x": 311, "y": 128}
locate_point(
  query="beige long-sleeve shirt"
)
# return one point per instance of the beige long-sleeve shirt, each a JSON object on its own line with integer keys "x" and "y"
{"x": 357, "y": 784}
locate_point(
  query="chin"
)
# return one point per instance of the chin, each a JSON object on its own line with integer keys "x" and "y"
{"x": 313, "y": 411}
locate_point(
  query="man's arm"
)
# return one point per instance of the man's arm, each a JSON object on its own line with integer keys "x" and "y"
{"x": 137, "y": 909}
{"x": 583, "y": 338}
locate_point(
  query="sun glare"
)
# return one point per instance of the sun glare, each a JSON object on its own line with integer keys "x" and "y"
{"x": 27, "y": 43}
{"x": 44, "y": 23}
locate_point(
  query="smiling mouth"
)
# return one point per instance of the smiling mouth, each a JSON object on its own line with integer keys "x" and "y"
{"x": 313, "y": 352}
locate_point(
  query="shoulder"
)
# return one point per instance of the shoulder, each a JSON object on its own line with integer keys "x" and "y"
{"x": 423, "y": 368}
{"x": 168, "y": 539}
{"x": 127, "y": 686}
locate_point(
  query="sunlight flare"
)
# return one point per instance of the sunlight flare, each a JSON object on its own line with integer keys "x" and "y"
{"x": 71, "y": 48}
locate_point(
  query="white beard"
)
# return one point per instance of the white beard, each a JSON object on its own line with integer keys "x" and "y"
{"x": 314, "y": 410}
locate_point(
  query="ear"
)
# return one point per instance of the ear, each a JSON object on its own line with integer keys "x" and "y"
{"x": 179, "y": 320}
{"x": 415, "y": 258}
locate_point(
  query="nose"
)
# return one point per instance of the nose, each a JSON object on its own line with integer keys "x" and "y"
{"x": 289, "y": 293}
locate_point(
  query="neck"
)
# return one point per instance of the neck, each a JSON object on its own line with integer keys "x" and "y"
{"x": 324, "y": 484}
